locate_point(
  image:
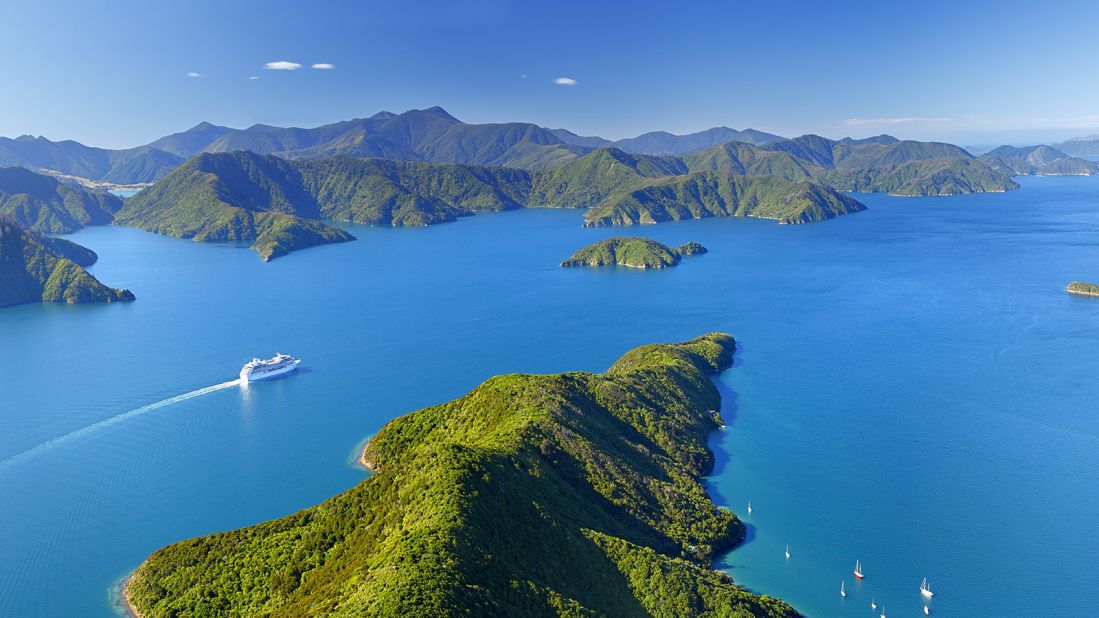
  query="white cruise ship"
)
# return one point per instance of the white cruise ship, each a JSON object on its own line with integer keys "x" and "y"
{"x": 260, "y": 369}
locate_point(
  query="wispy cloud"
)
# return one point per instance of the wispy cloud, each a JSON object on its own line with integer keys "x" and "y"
{"x": 282, "y": 65}
{"x": 894, "y": 122}
{"x": 194, "y": 74}
{"x": 324, "y": 66}
{"x": 523, "y": 76}
{"x": 565, "y": 81}
{"x": 253, "y": 77}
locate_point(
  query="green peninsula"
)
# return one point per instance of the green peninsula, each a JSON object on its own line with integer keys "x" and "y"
{"x": 239, "y": 196}
{"x": 35, "y": 268}
{"x": 1083, "y": 288}
{"x": 716, "y": 194}
{"x": 280, "y": 203}
{"x": 43, "y": 204}
{"x": 876, "y": 164}
{"x": 573, "y": 494}
{"x": 632, "y": 252}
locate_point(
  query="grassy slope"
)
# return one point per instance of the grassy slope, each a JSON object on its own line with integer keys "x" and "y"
{"x": 542, "y": 495}
{"x": 623, "y": 251}
{"x": 39, "y": 269}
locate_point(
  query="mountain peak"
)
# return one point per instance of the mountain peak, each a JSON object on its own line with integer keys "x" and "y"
{"x": 383, "y": 115}
{"x": 437, "y": 112}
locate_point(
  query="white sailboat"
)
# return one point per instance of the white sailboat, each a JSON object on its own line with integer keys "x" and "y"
{"x": 749, "y": 507}
{"x": 925, "y": 590}
{"x": 787, "y": 551}
{"x": 926, "y": 611}
{"x": 882, "y": 611}
{"x": 873, "y": 603}
{"x": 843, "y": 592}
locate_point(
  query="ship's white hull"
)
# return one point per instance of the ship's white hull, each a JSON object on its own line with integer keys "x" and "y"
{"x": 255, "y": 377}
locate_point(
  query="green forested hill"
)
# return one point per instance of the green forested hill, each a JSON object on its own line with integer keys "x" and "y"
{"x": 43, "y": 204}
{"x": 237, "y": 196}
{"x": 881, "y": 164}
{"x": 1038, "y": 160}
{"x": 35, "y": 268}
{"x": 572, "y": 494}
{"x": 590, "y": 179}
{"x": 242, "y": 195}
{"x": 714, "y": 194}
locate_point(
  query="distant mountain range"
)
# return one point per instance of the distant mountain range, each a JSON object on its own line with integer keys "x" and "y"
{"x": 434, "y": 136}
{"x": 132, "y": 165}
{"x": 1087, "y": 146}
{"x": 428, "y": 135}
{"x": 662, "y": 142}
{"x": 1038, "y": 160}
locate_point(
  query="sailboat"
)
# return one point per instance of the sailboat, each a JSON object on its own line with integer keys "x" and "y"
{"x": 882, "y": 611}
{"x": 926, "y": 611}
{"x": 873, "y": 603}
{"x": 843, "y": 592}
{"x": 787, "y": 551}
{"x": 858, "y": 569}
{"x": 749, "y": 507}
{"x": 925, "y": 590}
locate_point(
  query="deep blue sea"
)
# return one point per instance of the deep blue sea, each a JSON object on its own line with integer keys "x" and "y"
{"x": 913, "y": 389}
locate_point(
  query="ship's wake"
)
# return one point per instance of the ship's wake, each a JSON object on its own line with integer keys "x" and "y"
{"x": 107, "y": 422}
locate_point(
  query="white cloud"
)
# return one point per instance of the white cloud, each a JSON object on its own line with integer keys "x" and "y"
{"x": 324, "y": 66}
{"x": 523, "y": 76}
{"x": 253, "y": 77}
{"x": 282, "y": 65}
{"x": 894, "y": 122}
{"x": 193, "y": 74}
{"x": 565, "y": 81}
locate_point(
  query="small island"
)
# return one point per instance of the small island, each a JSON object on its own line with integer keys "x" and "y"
{"x": 1082, "y": 288}
{"x": 632, "y": 252}
{"x": 691, "y": 248}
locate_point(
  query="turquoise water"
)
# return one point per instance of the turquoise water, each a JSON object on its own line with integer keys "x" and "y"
{"x": 913, "y": 389}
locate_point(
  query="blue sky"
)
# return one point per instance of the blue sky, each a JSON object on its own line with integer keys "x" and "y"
{"x": 115, "y": 74}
